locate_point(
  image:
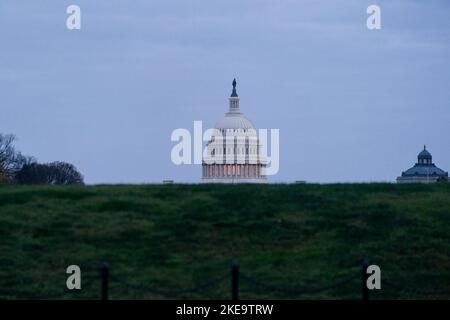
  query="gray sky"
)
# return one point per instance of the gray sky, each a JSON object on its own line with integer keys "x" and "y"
{"x": 351, "y": 104}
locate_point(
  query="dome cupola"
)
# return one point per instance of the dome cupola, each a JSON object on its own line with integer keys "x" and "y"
{"x": 424, "y": 156}
{"x": 234, "y": 119}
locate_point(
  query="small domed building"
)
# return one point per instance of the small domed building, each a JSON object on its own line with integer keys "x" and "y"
{"x": 233, "y": 153}
{"x": 424, "y": 171}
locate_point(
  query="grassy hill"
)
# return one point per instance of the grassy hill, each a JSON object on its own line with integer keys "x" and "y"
{"x": 176, "y": 236}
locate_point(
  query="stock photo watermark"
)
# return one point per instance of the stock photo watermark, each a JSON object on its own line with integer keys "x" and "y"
{"x": 74, "y": 280}
{"x": 373, "y": 281}
{"x": 73, "y": 21}
{"x": 373, "y": 22}
{"x": 227, "y": 147}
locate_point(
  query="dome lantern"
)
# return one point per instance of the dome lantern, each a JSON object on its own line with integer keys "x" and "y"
{"x": 424, "y": 157}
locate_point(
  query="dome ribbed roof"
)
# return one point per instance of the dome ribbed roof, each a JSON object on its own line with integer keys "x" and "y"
{"x": 425, "y": 170}
{"x": 234, "y": 121}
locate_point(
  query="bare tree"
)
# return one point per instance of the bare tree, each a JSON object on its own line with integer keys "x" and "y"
{"x": 55, "y": 173}
{"x": 65, "y": 173}
{"x": 11, "y": 160}
{"x": 17, "y": 168}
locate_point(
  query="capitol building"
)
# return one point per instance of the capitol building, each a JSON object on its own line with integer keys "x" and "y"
{"x": 233, "y": 153}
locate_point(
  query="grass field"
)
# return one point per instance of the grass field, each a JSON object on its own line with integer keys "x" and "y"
{"x": 175, "y": 236}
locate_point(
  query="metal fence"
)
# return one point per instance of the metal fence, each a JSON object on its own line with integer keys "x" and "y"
{"x": 236, "y": 277}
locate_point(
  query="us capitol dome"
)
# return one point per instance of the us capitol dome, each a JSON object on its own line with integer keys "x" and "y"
{"x": 233, "y": 153}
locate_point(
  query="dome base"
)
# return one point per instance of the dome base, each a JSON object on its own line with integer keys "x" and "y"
{"x": 234, "y": 180}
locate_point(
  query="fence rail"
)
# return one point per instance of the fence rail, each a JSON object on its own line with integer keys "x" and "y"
{"x": 170, "y": 293}
{"x": 236, "y": 276}
{"x": 299, "y": 290}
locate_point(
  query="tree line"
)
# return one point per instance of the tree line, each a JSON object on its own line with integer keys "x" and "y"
{"x": 17, "y": 168}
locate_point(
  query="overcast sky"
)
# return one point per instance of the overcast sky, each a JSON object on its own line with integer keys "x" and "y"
{"x": 351, "y": 104}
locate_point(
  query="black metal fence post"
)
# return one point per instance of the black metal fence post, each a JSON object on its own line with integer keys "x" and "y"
{"x": 235, "y": 280}
{"x": 365, "y": 276}
{"x": 105, "y": 276}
